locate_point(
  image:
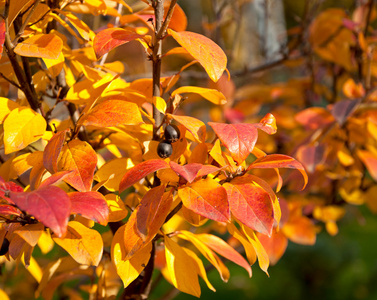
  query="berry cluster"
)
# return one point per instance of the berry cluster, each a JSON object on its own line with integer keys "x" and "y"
{"x": 171, "y": 134}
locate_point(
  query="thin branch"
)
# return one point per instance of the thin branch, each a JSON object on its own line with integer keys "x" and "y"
{"x": 10, "y": 81}
{"x": 164, "y": 26}
{"x": 22, "y": 28}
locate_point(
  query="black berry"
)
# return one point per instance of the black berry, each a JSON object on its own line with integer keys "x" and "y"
{"x": 4, "y": 247}
{"x": 164, "y": 149}
{"x": 172, "y": 133}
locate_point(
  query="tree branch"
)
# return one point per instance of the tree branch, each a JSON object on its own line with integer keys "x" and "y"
{"x": 23, "y": 26}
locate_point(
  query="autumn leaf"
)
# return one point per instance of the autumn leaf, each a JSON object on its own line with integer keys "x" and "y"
{"x": 40, "y": 45}
{"x": 128, "y": 269}
{"x": 91, "y": 205}
{"x": 80, "y": 158}
{"x": 183, "y": 276}
{"x": 204, "y": 50}
{"x": 224, "y": 249}
{"x": 275, "y": 245}
{"x": 83, "y": 244}
{"x": 212, "y": 95}
{"x": 50, "y": 205}
{"x": 52, "y": 151}
{"x": 206, "y": 198}
{"x": 110, "y": 38}
{"x": 113, "y": 113}
{"x": 279, "y": 161}
{"x": 9, "y": 210}
{"x": 193, "y": 170}
{"x": 140, "y": 171}
{"x": 22, "y": 127}
{"x": 250, "y": 204}
{"x": 6, "y": 106}
{"x": 370, "y": 161}
{"x": 152, "y": 211}
{"x": 344, "y": 109}
{"x": 196, "y": 127}
{"x": 2, "y": 35}
{"x": 300, "y": 230}
{"x": 267, "y": 124}
{"x": 31, "y": 233}
{"x": 54, "y": 179}
{"x": 239, "y": 138}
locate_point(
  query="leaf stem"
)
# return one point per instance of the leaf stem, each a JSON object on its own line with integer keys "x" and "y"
{"x": 23, "y": 26}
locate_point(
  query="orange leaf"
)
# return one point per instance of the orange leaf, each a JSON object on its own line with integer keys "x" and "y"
{"x": 50, "y": 205}
{"x": 274, "y": 245}
{"x": 250, "y": 204}
{"x": 9, "y": 210}
{"x": 370, "y": 161}
{"x": 80, "y": 158}
{"x": 31, "y": 233}
{"x": 300, "y": 230}
{"x": 206, "y": 198}
{"x": 204, "y": 50}
{"x": 178, "y": 20}
{"x": 239, "y": 138}
{"x": 152, "y": 211}
{"x": 110, "y": 38}
{"x": 140, "y": 171}
{"x": 267, "y": 124}
{"x": 196, "y": 127}
{"x": 91, "y": 205}
{"x": 52, "y": 151}
{"x": 83, "y": 244}
{"x": 40, "y": 45}
{"x": 113, "y": 113}
{"x": 224, "y": 249}
{"x": 279, "y": 161}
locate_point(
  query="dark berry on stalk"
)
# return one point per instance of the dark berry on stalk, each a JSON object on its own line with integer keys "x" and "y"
{"x": 172, "y": 133}
{"x": 4, "y": 247}
{"x": 164, "y": 149}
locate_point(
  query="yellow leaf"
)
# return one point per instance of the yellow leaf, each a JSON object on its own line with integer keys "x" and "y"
{"x": 45, "y": 242}
{"x": 22, "y": 127}
{"x": 83, "y": 244}
{"x": 249, "y": 249}
{"x": 6, "y": 106}
{"x": 3, "y": 295}
{"x": 216, "y": 153}
{"x": 181, "y": 267}
{"x": 113, "y": 170}
{"x": 24, "y": 162}
{"x": 34, "y": 269}
{"x": 117, "y": 209}
{"x": 40, "y": 45}
{"x": 196, "y": 127}
{"x": 159, "y": 103}
{"x": 128, "y": 270}
{"x": 263, "y": 259}
{"x": 207, "y": 252}
{"x": 212, "y": 95}
{"x": 54, "y": 65}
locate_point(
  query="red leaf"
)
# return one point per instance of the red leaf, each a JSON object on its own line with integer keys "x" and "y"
{"x": 275, "y": 245}
{"x": 206, "y": 198}
{"x": 7, "y": 187}
{"x": 110, "y": 38}
{"x": 52, "y": 151}
{"x": 152, "y": 212}
{"x": 2, "y": 35}
{"x": 239, "y": 138}
{"x": 279, "y": 161}
{"x": 267, "y": 124}
{"x": 50, "y": 205}
{"x": 343, "y": 109}
{"x": 311, "y": 156}
{"x": 9, "y": 210}
{"x": 250, "y": 204}
{"x": 314, "y": 117}
{"x": 193, "y": 170}
{"x": 140, "y": 171}
{"x": 91, "y": 205}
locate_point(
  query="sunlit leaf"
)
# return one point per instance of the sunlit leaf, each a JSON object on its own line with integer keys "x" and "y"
{"x": 6, "y": 106}
{"x": 370, "y": 161}
{"x": 40, "y": 45}
{"x": 275, "y": 245}
{"x": 196, "y": 127}
{"x": 83, "y": 244}
{"x": 128, "y": 269}
{"x": 117, "y": 209}
{"x": 212, "y": 95}
{"x": 113, "y": 113}
{"x": 91, "y": 205}
{"x": 80, "y": 158}
{"x": 22, "y": 127}
{"x": 140, "y": 171}
{"x": 183, "y": 276}
{"x": 31, "y": 233}
{"x": 50, "y": 205}
{"x": 193, "y": 170}
{"x": 206, "y": 198}
{"x": 208, "y": 53}
{"x": 300, "y": 230}
{"x": 110, "y": 38}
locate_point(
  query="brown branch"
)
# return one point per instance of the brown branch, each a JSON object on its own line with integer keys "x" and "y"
{"x": 10, "y": 81}
{"x": 23, "y": 26}
{"x": 164, "y": 26}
